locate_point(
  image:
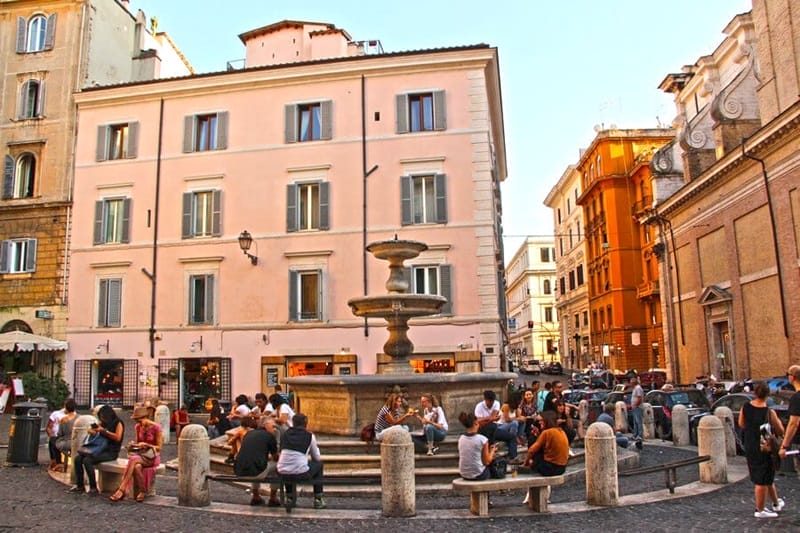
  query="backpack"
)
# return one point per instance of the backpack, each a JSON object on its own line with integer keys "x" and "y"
{"x": 368, "y": 434}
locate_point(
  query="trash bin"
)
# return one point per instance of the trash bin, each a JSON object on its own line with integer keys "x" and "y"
{"x": 24, "y": 434}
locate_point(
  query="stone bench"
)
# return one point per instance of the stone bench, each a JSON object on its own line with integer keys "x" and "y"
{"x": 538, "y": 490}
{"x": 109, "y": 477}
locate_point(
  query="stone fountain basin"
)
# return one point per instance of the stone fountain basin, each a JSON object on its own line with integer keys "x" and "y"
{"x": 397, "y": 305}
{"x": 396, "y": 249}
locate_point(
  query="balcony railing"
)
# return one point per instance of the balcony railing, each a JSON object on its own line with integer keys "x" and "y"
{"x": 649, "y": 288}
{"x": 641, "y": 205}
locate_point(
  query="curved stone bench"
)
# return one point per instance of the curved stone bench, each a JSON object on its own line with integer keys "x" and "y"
{"x": 538, "y": 490}
{"x": 109, "y": 477}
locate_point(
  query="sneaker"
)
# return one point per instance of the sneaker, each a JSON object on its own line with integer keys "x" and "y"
{"x": 430, "y": 451}
{"x": 778, "y": 507}
{"x": 765, "y": 514}
{"x": 319, "y": 503}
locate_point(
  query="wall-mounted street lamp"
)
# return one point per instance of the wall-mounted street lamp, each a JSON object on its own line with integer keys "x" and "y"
{"x": 197, "y": 345}
{"x": 245, "y": 241}
{"x": 102, "y": 346}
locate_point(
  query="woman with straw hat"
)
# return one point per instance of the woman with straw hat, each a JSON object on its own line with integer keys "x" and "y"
{"x": 144, "y": 455}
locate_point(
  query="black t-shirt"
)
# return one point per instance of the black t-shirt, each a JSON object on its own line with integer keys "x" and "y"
{"x": 794, "y": 404}
{"x": 257, "y": 445}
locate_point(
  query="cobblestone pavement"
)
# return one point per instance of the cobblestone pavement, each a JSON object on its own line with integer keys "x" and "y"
{"x": 31, "y": 500}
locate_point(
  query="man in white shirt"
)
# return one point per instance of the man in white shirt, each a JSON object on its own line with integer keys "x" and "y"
{"x": 637, "y": 396}
{"x": 52, "y": 431}
{"x": 487, "y": 414}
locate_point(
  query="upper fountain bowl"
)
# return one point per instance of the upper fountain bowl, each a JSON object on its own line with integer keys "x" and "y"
{"x": 396, "y": 249}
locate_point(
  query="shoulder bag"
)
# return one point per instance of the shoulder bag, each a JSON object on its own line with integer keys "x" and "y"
{"x": 93, "y": 445}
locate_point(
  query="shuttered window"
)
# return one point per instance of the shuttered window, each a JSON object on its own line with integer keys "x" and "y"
{"x": 206, "y": 132}
{"x": 112, "y": 220}
{"x": 305, "y": 295}
{"x": 36, "y": 34}
{"x": 308, "y": 121}
{"x": 308, "y": 206}
{"x": 436, "y": 279}
{"x": 31, "y": 100}
{"x": 19, "y": 176}
{"x": 202, "y": 214}
{"x": 109, "y": 303}
{"x": 425, "y": 111}
{"x": 117, "y": 141}
{"x": 18, "y": 256}
{"x": 423, "y": 199}
{"x": 201, "y": 299}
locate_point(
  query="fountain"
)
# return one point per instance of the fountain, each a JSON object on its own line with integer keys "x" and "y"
{"x": 341, "y": 405}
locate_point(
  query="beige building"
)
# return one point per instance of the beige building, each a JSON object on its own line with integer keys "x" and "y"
{"x": 533, "y": 331}
{"x": 571, "y": 295}
{"x": 48, "y": 51}
{"x": 727, "y": 204}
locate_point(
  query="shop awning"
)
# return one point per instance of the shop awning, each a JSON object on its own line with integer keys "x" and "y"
{"x": 27, "y": 342}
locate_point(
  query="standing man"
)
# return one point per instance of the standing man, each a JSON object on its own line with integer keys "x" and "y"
{"x": 637, "y": 397}
{"x": 553, "y": 398}
{"x": 794, "y": 411}
{"x": 257, "y": 454}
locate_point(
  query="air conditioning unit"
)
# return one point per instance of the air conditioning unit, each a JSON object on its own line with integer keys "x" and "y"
{"x": 606, "y": 246}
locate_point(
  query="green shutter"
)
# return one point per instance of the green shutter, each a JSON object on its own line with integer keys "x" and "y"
{"x": 126, "y": 220}
{"x": 102, "y": 301}
{"x": 440, "y": 191}
{"x": 8, "y": 177}
{"x": 101, "y": 149}
{"x": 324, "y": 205}
{"x": 291, "y": 208}
{"x": 439, "y": 111}
{"x": 22, "y": 30}
{"x": 294, "y": 289}
{"x": 50, "y": 34}
{"x": 445, "y": 288}
{"x": 290, "y": 126}
{"x": 209, "y": 299}
{"x": 40, "y": 100}
{"x": 326, "y": 110}
{"x": 188, "y": 134}
{"x": 401, "y": 109}
{"x": 114, "y": 302}
{"x": 222, "y": 130}
{"x": 186, "y": 223}
{"x": 133, "y": 140}
{"x": 405, "y": 200}
{"x": 99, "y": 238}
{"x": 216, "y": 215}
{"x": 30, "y": 256}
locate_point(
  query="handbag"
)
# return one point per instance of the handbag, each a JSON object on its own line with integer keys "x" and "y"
{"x": 93, "y": 445}
{"x": 368, "y": 433}
{"x": 145, "y": 452}
{"x": 498, "y": 468}
{"x": 768, "y": 442}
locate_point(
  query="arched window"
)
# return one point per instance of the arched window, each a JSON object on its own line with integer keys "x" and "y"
{"x": 19, "y": 176}
{"x": 37, "y": 33}
{"x": 546, "y": 286}
{"x": 31, "y": 99}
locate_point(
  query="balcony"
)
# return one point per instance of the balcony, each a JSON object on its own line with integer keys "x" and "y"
{"x": 642, "y": 205}
{"x": 649, "y": 288}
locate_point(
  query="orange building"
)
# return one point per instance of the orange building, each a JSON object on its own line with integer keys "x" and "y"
{"x": 622, "y": 269}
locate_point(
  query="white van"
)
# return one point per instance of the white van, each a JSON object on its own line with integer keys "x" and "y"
{"x": 530, "y": 366}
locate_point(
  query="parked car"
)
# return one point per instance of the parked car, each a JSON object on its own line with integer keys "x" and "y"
{"x": 553, "y": 367}
{"x": 594, "y": 397}
{"x": 653, "y": 379}
{"x": 530, "y": 366}
{"x": 664, "y": 401}
{"x": 734, "y": 402}
{"x": 622, "y": 396}
{"x": 779, "y": 383}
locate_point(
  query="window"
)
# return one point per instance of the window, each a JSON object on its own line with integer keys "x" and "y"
{"x": 109, "y": 303}
{"x": 421, "y": 112}
{"x": 544, "y": 255}
{"x": 202, "y": 214}
{"x": 433, "y": 280}
{"x": 19, "y": 176}
{"x": 18, "y": 256}
{"x": 31, "y": 100}
{"x": 569, "y": 207}
{"x": 305, "y": 295}
{"x": 558, "y": 215}
{"x": 562, "y": 285}
{"x": 579, "y": 274}
{"x": 201, "y": 299}
{"x": 423, "y": 199}
{"x": 586, "y": 319}
{"x": 308, "y": 121}
{"x": 36, "y": 34}
{"x": 307, "y": 206}
{"x": 112, "y": 220}
{"x": 571, "y": 280}
{"x": 117, "y": 141}
{"x": 548, "y": 314}
{"x": 205, "y": 132}
{"x": 577, "y": 321}
{"x": 546, "y": 286}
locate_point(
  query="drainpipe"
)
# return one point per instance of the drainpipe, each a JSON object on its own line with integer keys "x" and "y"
{"x": 154, "y": 267}
{"x": 774, "y": 238}
{"x": 365, "y": 174}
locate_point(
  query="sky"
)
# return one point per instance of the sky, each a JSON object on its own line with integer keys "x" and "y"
{"x": 565, "y": 65}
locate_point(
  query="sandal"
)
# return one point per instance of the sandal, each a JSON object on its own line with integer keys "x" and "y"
{"x": 140, "y": 497}
{"x": 117, "y": 496}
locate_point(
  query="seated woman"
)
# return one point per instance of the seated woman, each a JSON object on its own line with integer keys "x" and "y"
{"x": 240, "y": 410}
{"x": 550, "y": 453}
{"x": 526, "y": 412}
{"x": 142, "y": 465}
{"x": 508, "y": 421}
{"x": 434, "y": 423}
{"x": 281, "y": 411}
{"x": 217, "y": 423}
{"x": 391, "y": 414}
{"x": 180, "y": 418}
{"x": 110, "y": 428}
{"x": 474, "y": 452}
{"x": 565, "y": 421}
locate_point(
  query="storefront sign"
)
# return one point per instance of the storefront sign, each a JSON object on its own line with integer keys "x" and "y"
{"x": 272, "y": 377}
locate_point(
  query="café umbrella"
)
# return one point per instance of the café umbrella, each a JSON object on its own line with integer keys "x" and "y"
{"x": 27, "y": 342}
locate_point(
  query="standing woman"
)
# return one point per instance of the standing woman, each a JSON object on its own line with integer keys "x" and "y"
{"x": 762, "y": 469}
{"x": 142, "y": 465}
{"x": 112, "y": 428}
{"x": 434, "y": 423}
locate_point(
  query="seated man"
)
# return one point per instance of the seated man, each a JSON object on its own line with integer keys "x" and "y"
{"x": 607, "y": 417}
{"x": 236, "y": 436}
{"x": 297, "y": 443}
{"x": 487, "y": 414}
{"x": 257, "y": 448}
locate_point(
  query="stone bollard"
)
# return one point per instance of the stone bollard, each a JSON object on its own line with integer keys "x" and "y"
{"x": 648, "y": 422}
{"x": 711, "y": 441}
{"x": 680, "y": 426}
{"x": 398, "y": 485}
{"x": 583, "y": 416}
{"x": 621, "y": 416}
{"x": 728, "y": 425}
{"x": 193, "y": 464}
{"x": 162, "y": 419}
{"x": 602, "y": 486}
{"x": 79, "y": 430}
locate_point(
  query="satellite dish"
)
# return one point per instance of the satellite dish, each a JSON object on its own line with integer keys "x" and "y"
{"x": 613, "y": 126}
{"x": 597, "y": 128}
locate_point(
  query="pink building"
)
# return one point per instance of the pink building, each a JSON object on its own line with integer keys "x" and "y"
{"x": 169, "y": 175}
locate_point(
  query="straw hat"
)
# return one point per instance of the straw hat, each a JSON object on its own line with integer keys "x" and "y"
{"x": 140, "y": 412}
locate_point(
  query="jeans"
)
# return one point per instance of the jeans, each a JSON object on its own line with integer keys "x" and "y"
{"x": 87, "y": 462}
{"x": 637, "y": 422}
{"x": 314, "y": 473}
{"x": 434, "y": 434}
{"x": 513, "y": 427}
{"x": 546, "y": 468}
{"x": 493, "y": 432}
